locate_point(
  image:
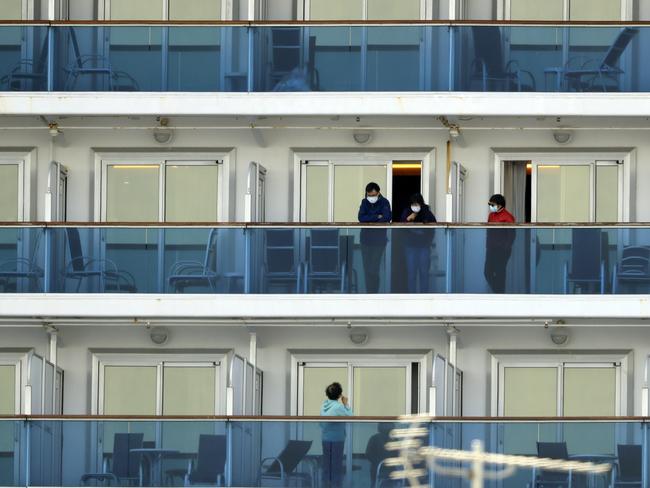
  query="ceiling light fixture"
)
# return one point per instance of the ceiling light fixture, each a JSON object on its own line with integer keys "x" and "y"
{"x": 163, "y": 134}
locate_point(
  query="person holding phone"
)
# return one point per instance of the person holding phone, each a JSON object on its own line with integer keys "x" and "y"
{"x": 333, "y": 435}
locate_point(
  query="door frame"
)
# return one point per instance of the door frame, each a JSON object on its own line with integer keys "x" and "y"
{"x": 502, "y": 359}
{"x": 225, "y": 161}
{"x": 626, "y": 188}
{"x": 158, "y": 360}
{"x": 351, "y": 360}
{"x": 335, "y": 156}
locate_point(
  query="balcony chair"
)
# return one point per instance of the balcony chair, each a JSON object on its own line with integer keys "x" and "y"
{"x": 552, "y": 479}
{"x": 28, "y": 74}
{"x": 326, "y": 267}
{"x": 80, "y": 268}
{"x": 204, "y": 274}
{"x": 282, "y": 268}
{"x": 283, "y": 467}
{"x": 124, "y": 465}
{"x": 210, "y": 464}
{"x": 489, "y": 66}
{"x": 628, "y": 470}
{"x": 14, "y": 270}
{"x": 633, "y": 268}
{"x": 589, "y": 260}
{"x": 587, "y": 74}
{"x": 287, "y": 72}
{"x": 95, "y": 66}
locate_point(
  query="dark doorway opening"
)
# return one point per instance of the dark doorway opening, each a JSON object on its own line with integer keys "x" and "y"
{"x": 407, "y": 180}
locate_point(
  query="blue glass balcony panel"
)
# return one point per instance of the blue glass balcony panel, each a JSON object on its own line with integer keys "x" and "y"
{"x": 325, "y": 259}
{"x": 430, "y": 57}
{"x": 241, "y": 452}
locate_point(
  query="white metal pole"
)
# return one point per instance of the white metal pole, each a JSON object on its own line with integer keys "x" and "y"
{"x": 476, "y": 474}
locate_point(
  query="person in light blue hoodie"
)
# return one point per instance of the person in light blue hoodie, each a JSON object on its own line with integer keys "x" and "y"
{"x": 333, "y": 435}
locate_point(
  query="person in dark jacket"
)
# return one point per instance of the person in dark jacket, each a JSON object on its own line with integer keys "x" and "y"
{"x": 498, "y": 244}
{"x": 376, "y": 452}
{"x": 373, "y": 209}
{"x": 418, "y": 244}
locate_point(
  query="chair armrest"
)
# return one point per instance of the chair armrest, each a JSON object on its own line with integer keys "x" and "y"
{"x": 181, "y": 267}
{"x": 276, "y": 460}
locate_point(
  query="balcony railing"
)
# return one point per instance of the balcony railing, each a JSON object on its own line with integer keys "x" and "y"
{"x": 289, "y": 451}
{"x": 334, "y": 259}
{"x": 320, "y": 57}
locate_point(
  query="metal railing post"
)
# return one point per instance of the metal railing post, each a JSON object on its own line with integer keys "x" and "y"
{"x": 47, "y": 260}
{"x": 50, "y": 58}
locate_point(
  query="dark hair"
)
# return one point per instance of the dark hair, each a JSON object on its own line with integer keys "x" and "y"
{"x": 499, "y": 200}
{"x": 334, "y": 391}
{"x": 372, "y": 186}
{"x": 417, "y": 198}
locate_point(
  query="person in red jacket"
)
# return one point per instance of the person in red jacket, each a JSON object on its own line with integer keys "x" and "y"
{"x": 498, "y": 244}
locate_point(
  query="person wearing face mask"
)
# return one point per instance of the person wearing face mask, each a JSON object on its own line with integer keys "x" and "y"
{"x": 418, "y": 244}
{"x": 373, "y": 209}
{"x": 498, "y": 244}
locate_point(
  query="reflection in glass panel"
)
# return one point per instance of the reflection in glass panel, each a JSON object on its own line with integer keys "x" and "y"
{"x": 132, "y": 193}
{"x": 336, "y": 10}
{"x": 138, "y": 10}
{"x": 371, "y": 386}
{"x": 316, "y": 193}
{"x": 189, "y": 390}
{"x": 315, "y": 380}
{"x": 11, "y": 10}
{"x": 191, "y": 193}
{"x": 194, "y": 9}
{"x": 563, "y": 193}
{"x": 607, "y": 193}
{"x": 7, "y": 390}
{"x": 530, "y": 392}
{"x": 130, "y": 390}
{"x": 594, "y": 10}
{"x": 349, "y": 188}
{"x": 536, "y": 10}
{"x": 8, "y": 192}
{"x": 590, "y": 392}
{"x": 391, "y": 10}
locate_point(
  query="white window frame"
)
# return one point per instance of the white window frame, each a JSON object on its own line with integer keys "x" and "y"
{"x": 504, "y": 9}
{"x": 500, "y": 361}
{"x": 604, "y": 157}
{"x": 426, "y": 10}
{"x": 222, "y": 159}
{"x": 352, "y": 361}
{"x": 333, "y": 158}
{"x": 104, "y": 10}
{"x": 24, "y": 163}
{"x": 158, "y": 360}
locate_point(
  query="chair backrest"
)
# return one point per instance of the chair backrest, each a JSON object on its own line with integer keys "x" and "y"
{"x": 74, "y": 245}
{"x": 291, "y": 456}
{"x": 211, "y": 460}
{"x": 324, "y": 251}
{"x": 586, "y": 254}
{"x": 552, "y": 450}
{"x": 635, "y": 262}
{"x": 280, "y": 250}
{"x": 488, "y": 48}
{"x": 75, "y": 47}
{"x": 210, "y": 259}
{"x": 629, "y": 462}
{"x": 126, "y": 464}
{"x": 614, "y": 53}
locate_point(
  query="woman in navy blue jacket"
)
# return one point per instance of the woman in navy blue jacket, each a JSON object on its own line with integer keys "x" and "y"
{"x": 373, "y": 209}
{"x": 418, "y": 244}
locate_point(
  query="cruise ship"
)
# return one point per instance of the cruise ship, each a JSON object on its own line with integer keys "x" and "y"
{"x": 211, "y": 211}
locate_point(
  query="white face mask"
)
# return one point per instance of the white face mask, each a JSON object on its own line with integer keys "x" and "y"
{"x": 415, "y": 208}
{"x": 494, "y": 208}
{"x": 373, "y": 199}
